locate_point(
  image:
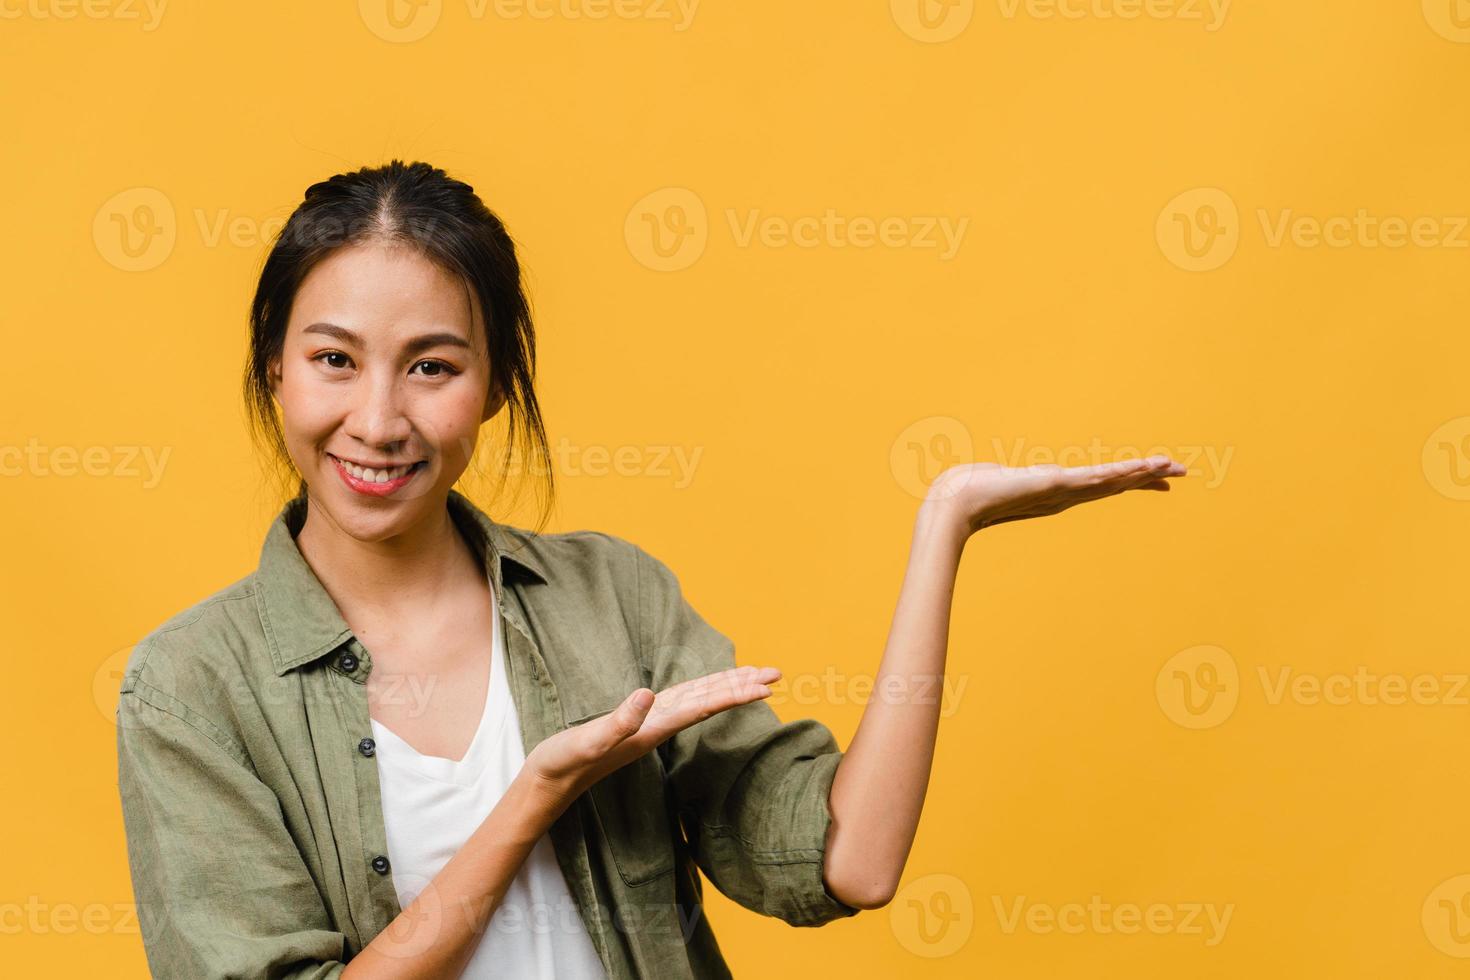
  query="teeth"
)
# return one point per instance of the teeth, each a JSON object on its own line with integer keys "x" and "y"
{"x": 370, "y": 475}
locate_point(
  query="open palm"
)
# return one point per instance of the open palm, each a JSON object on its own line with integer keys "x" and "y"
{"x": 575, "y": 758}
{"x": 984, "y": 494}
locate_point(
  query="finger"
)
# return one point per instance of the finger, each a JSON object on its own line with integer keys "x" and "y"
{"x": 737, "y": 690}
{"x": 741, "y": 679}
{"x": 1125, "y": 475}
{"x": 702, "y": 696}
{"x": 732, "y": 679}
{"x": 624, "y": 721}
{"x": 693, "y": 701}
{"x": 1107, "y": 479}
{"x": 1103, "y": 474}
{"x": 1143, "y": 471}
{"x": 1157, "y": 473}
{"x": 1148, "y": 466}
{"x": 1165, "y": 466}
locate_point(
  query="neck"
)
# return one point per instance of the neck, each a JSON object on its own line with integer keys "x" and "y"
{"x": 411, "y": 569}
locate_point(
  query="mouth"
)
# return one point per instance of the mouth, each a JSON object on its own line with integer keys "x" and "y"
{"x": 376, "y": 481}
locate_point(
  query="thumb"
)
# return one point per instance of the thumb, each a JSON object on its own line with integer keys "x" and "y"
{"x": 628, "y": 717}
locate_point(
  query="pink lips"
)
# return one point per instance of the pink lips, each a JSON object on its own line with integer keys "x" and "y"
{"x": 373, "y": 489}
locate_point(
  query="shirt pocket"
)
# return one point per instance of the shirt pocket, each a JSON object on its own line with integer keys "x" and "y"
{"x": 632, "y": 815}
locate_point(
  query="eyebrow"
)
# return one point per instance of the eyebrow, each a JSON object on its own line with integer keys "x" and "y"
{"x": 422, "y": 342}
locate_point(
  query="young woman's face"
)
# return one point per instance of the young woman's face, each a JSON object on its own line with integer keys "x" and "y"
{"x": 383, "y": 370}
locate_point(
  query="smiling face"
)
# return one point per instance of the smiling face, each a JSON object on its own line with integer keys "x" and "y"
{"x": 383, "y": 384}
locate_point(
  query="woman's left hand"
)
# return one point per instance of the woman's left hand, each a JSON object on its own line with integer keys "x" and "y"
{"x": 982, "y": 494}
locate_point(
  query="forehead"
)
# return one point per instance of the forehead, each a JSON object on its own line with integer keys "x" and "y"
{"x": 381, "y": 289}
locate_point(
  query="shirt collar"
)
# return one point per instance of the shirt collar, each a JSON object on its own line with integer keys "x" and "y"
{"x": 301, "y": 621}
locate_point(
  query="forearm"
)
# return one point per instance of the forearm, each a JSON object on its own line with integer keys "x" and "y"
{"x": 435, "y": 936}
{"x": 878, "y": 791}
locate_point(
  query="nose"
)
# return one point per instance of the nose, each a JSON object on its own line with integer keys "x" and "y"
{"x": 376, "y": 419}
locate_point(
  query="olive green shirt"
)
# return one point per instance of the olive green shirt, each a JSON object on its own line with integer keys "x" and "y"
{"x": 250, "y": 794}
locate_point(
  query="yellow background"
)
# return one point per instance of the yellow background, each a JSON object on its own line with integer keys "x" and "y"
{"x": 822, "y": 384}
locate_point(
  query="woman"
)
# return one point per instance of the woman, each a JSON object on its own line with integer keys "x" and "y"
{"x": 416, "y": 742}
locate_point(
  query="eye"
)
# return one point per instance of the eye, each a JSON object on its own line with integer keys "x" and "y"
{"x": 333, "y": 353}
{"x": 441, "y": 369}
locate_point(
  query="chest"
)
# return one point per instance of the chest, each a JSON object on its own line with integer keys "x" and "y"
{"x": 429, "y": 686}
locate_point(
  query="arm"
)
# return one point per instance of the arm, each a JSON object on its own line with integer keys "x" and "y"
{"x": 222, "y": 890}
{"x": 440, "y": 930}
{"x": 221, "y": 887}
{"x": 878, "y": 791}
{"x": 751, "y": 792}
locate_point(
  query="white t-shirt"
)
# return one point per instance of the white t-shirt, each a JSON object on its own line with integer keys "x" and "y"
{"x": 431, "y": 806}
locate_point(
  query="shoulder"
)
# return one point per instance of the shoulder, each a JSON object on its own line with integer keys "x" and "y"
{"x": 596, "y": 562}
{"x": 574, "y": 557}
{"x": 193, "y": 662}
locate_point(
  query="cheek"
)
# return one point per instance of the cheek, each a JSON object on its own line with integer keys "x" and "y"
{"x": 457, "y": 413}
{"x": 306, "y": 410}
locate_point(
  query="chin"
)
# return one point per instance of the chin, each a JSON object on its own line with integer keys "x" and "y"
{"x": 368, "y": 517}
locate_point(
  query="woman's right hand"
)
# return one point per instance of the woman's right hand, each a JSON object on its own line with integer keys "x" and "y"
{"x": 565, "y": 765}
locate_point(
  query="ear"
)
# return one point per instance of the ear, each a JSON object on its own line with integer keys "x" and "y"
{"x": 273, "y": 372}
{"x": 493, "y": 404}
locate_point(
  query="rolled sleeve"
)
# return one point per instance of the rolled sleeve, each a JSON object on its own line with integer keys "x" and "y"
{"x": 752, "y": 792}
{"x": 221, "y": 889}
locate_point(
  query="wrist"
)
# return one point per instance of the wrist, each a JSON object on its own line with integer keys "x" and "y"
{"x": 537, "y": 800}
{"x": 940, "y": 518}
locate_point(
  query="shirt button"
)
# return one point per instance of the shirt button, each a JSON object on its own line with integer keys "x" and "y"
{"x": 380, "y": 864}
{"x": 348, "y": 663}
{"x": 367, "y": 746}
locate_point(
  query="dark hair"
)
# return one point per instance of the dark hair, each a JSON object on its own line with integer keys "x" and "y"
{"x": 420, "y": 206}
